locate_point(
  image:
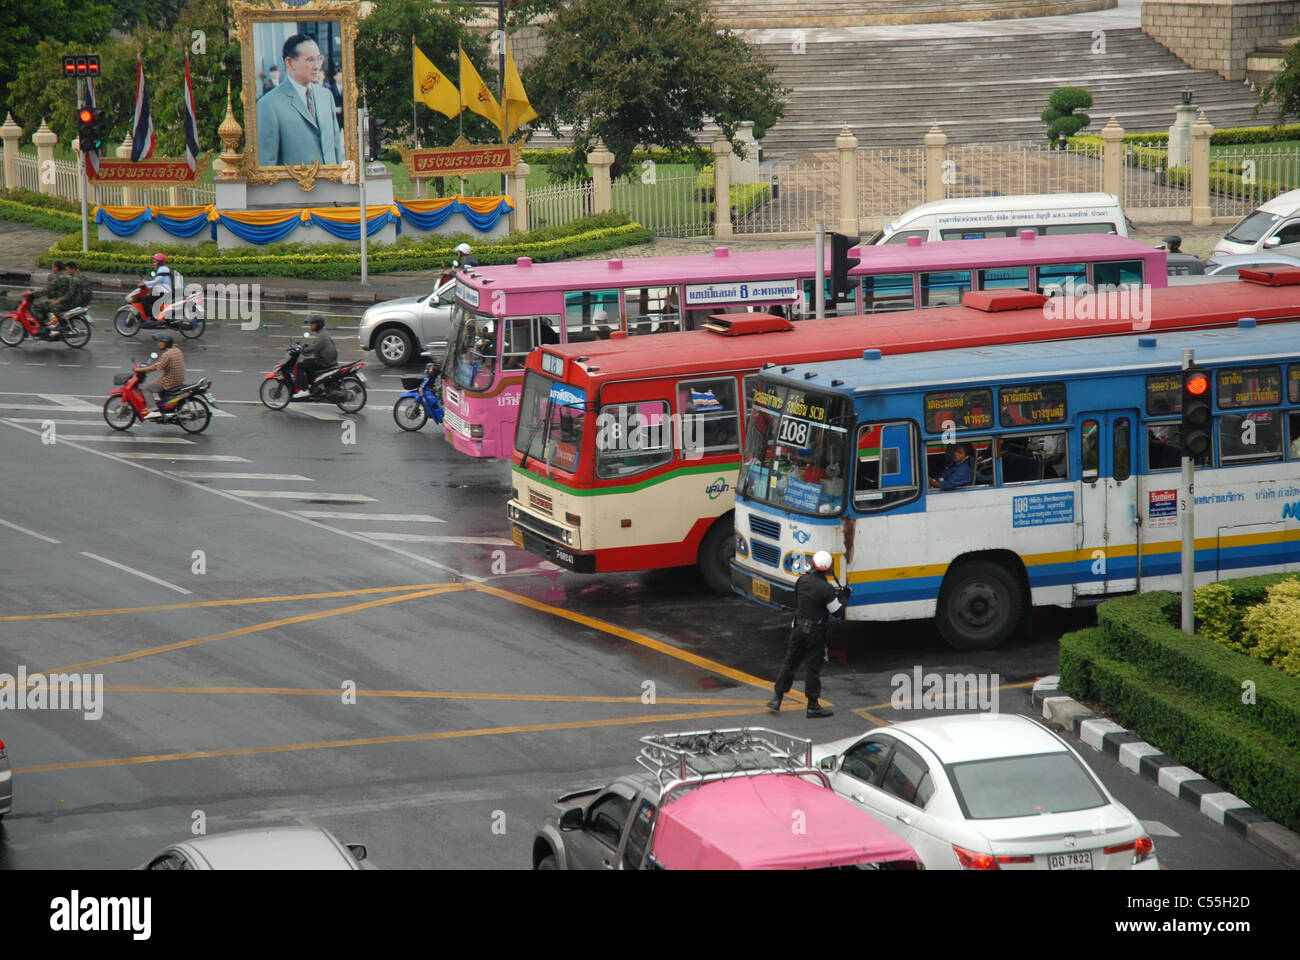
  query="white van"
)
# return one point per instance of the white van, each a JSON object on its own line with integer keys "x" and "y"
{"x": 1275, "y": 227}
{"x": 975, "y": 218}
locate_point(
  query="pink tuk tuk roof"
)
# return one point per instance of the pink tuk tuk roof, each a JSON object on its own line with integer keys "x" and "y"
{"x": 748, "y": 823}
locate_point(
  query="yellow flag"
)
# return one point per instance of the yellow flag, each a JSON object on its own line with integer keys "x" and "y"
{"x": 518, "y": 110}
{"x": 432, "y": 88}
{"x": 475, "y": 95}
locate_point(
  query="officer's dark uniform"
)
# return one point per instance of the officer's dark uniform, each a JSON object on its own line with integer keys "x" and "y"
{"x": 813, "y": 596}
{"x": 56, "y": 289}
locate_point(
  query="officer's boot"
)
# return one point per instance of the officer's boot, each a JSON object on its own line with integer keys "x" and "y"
{"x": 775, "y": 703}
{"x": 816, "y": 711}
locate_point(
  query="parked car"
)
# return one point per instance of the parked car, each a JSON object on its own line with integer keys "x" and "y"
{"x": 394, "y": 329}
{"x": 1183, "y": 265}
{"x": 712, "y": 800}
{"x": 275, "y": 848}
{"x": 1273, "y": 228}
{"x": 987, "y": 792}
{"x": 1227, "y": 264}
{"x": 6, "y": 782}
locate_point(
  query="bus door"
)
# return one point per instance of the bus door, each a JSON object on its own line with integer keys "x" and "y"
{"x": 1107, "y": 517}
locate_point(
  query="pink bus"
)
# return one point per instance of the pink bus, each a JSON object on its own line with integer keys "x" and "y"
{"x": 503, "y": 312}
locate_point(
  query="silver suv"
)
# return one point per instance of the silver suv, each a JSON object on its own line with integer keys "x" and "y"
{"x": 398, "y": 329}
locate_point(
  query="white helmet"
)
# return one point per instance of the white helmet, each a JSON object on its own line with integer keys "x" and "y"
{"x": 463, "y": 249}
{"x": 822, "y": 561}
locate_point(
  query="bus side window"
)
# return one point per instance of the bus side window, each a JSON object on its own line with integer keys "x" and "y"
{"x": 1250, "y": 437}
{"x": 1165, "y": 447}
{"x": 1089, "y": 451}
{"x": 590, "y": 315}
{"x": 885, "y": 473}
{"x": 709, "y": 416}
{"x": 1121, "y": 450}
{"x": 1294, "y": 434}
{"x": 938, "y": 457}
{"x": 1030, "y": 457}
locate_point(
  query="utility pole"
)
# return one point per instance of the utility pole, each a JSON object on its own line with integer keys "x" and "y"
{"x": 85, "y": 159}
{"x": 362, "y": 141}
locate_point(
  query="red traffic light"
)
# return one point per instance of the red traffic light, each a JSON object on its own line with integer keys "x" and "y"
{"x": 70, "y": 66}
{"x": 1197, "y": 384}
{"x": 85, "y": 115}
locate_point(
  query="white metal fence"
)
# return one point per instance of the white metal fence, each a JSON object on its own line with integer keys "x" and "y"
{"x": 67, "y": 184}
{"x": 890, "y": 180}
{"x": 551, "y": 206}
{"x": 803, "y": 192}
{"x": 674, "y": 206}
{"x": 1241, "y": 178}
{"x": 1005, "y": 169}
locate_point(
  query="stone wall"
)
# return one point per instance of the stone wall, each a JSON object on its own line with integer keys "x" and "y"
{"x": 1218, "y": 35}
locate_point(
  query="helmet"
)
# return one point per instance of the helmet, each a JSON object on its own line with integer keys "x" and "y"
{"x": 160, "y": 258}
{"x": 315, "y": 321}
{"x": 463, "y": 249}
{"x": 164, "y": 337}
{"x": 822, "y": 561}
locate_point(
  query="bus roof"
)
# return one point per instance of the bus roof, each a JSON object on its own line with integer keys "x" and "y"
{"x": 778, "y": 264}
{"x": 935, "y": 328}
{"x": 1024, "y": 201}
{"x": 1098, "y": 355}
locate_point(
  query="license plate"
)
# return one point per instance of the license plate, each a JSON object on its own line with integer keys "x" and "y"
{"x": 1070, "y": 861}
{"x": 362, "y": 378}
{"x": 517, "y": 536}
{"x": 564, "y": 556}
{"x": 212, "y": 401}
{"x": 762, "y": 590}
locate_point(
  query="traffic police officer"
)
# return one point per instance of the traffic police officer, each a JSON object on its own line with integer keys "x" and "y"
{"x": 814, "y": 601}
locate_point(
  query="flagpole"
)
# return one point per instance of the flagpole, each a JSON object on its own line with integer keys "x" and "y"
{"x": 460, "y": 93}
{"x": 415, "y": 133}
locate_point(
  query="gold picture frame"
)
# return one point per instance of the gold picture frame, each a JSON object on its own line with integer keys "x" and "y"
{"x": 247, "y": 16}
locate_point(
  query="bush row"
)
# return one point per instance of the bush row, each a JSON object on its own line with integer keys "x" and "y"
{"x": 38, "y": 210}
{"x": 744, "y": 196}
{"x": 1228, "y": 136}
{"x": 1268, "y": 631}
{"x": 1255, "y": 765}
{"x": 342, "y": 261}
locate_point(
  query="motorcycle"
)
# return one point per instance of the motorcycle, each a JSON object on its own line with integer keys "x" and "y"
{"x": 189, "y": 406}
{"x": 21, "y": 323}
{"x": 184, "y": 316}
{"x": 420, "y": 402}
{"x": 343, "y": 385}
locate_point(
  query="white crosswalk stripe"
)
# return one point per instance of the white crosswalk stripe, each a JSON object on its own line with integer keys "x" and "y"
{"x": 199, "y": 475}
{"x": 213, "y": 457}
{"x": 90, "y": 438}
{"x": 301, "y": 495}
{"x": 423, "y": 538}
{"x": 377, "y": 517}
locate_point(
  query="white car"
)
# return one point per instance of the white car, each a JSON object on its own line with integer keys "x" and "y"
{"x": 395, "y": 329}
{"x": 274, "y": 848}
{"x": 987, "y": 792}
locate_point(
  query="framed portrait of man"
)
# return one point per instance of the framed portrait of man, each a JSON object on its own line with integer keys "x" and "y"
{"x": 299, "y": 89}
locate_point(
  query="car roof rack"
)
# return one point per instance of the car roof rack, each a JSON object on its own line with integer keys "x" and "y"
{"x": 713, "y": 754}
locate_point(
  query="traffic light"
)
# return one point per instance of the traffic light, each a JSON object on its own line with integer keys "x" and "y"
{"x": 90, "y": 128}
{"x": 1197, "y": 412}
{"x": 841, "y": 264}
{"x": 373, "y": 125}
{"x": 81, "y": 66}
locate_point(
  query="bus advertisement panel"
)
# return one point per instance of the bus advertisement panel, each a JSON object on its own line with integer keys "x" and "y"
{"x": 965, "y": 484}
{"x": 643, "y": 475}
{"x": 503, "y": 313}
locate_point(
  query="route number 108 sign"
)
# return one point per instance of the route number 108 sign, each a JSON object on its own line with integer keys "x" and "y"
{"x": 793, "y": 431}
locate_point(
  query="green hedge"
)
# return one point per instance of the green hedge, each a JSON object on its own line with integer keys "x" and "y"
{"x": 1254, "y": 765}
{"x": 1228, "y": 136}
{"x": 1139, "y": 631}
{"x": 745, "y": 197}
{"x": 38, "y": 210}
{"x": 342, "y": 261}
{"x": 547, "y": 155}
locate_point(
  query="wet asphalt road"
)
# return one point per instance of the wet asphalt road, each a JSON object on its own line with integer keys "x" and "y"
{"x": 352, "y": 640}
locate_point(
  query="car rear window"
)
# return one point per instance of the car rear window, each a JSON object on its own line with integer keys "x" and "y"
{"x": 1024, "y": 786}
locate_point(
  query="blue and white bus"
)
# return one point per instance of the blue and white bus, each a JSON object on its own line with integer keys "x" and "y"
{"x": 1074, "y": 493}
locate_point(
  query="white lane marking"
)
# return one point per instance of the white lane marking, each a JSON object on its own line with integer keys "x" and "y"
{"x": 107, "y": 366}
{"x": 199, "y": 475}
{"x": 144, "y": 576}
{"x": 319, "y": 414}
{"x": 214, "y": 457}
{"x": 301, "y": 495}
{"x": 68, "y": 401}
{"x": 405, "y": 554}
{"x": 77, "y": 366}
{"x": 76, "y": 423}
{"x": 424, "y": 538}
{"x": 230, "y": 371}
{"x": 378, "y": 517}
{"x": 52, "y": 407}
{"x": 30, "y": 533}
{"x": 89, "y": 438}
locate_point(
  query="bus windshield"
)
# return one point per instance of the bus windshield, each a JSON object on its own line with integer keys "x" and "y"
{"x": 796, "y": 450}
{"x": 472, "y": 354}
{"x": 551, "y": 420}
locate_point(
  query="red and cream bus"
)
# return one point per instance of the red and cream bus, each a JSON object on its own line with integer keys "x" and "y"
{"x": 627, "y": 459}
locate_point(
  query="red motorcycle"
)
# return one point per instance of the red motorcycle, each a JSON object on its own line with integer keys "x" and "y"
{"x": 189, "y": 406}
{"x": 343, "y": 385}
{"x": 20, "y": 324}
{"x": 184, "y": 315}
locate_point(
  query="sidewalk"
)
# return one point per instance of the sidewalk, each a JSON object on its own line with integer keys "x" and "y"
{"x": 20, "y": 245}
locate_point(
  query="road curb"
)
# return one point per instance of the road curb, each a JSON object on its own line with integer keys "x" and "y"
{"x": 1149, "y": 762}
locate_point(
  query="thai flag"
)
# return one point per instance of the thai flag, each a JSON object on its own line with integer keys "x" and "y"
{"x": 142, "y": 129}
{"x": 705, "y": 400}
{"x": 191, "y": 121}
{"x": 92, "y": 156}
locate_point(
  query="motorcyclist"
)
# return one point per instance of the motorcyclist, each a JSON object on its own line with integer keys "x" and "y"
{"x": 318, "y": 354}
{"x": 466, "y": 258}
{"x": 172, "y": 364}
{"x": 77, "y": 292}
{"x": 55, "y": 288}
{"x": 161, "y": 288}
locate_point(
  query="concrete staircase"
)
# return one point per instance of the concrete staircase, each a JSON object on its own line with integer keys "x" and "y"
{"x": 1267, "y": 60}
{"x": 983, "y": 89}
{"x": 781, "y": 14}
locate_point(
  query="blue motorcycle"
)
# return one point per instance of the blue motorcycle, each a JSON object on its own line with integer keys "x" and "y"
{"x": 420, "y": 401}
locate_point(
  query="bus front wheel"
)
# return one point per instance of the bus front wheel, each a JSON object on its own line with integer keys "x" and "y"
{"x": 716, "y": 550}
{"x": 980, "y": 606}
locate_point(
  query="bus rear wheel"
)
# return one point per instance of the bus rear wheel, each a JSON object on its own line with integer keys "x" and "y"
{"x": 980, "y": 606}
{"x": 716, "y": 550}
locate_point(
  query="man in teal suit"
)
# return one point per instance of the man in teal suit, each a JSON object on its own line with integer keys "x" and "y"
{"x": 295, "y": 121}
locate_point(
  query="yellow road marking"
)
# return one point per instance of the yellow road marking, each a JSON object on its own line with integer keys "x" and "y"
{"x": 658, "y": 646}
{"x": 254, "y": 628}
{"x": 373, "y": 741}
{"x": 435, "y": 695}
{"x": 221, "y": 603}
{"x": 863, "y": 711}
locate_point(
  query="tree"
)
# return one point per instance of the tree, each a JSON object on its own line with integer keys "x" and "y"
{"x": 74, "y": 23}
{"x": 1060, "y": 116}
{"x": 636, "y": 73}
{"x": 1284, "y": 89}
{"x": 384, "y": 69}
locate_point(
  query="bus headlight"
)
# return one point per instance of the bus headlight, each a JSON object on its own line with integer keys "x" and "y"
{"x": 476, "y": 431}
{"x": 742, "y": 546}
{"x": 514, "y": 511}
{"x": 568, "y": 537}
